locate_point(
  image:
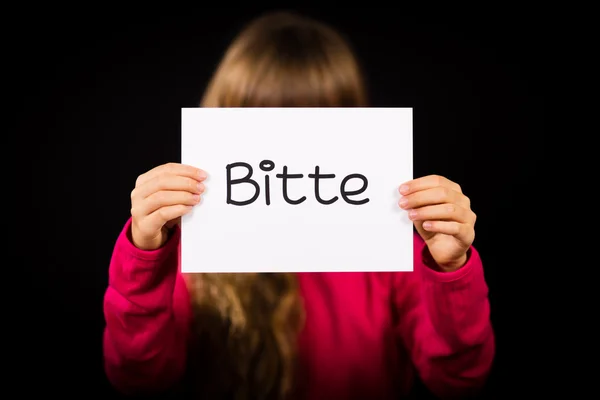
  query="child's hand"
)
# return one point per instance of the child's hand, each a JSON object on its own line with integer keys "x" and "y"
{"x": 161, "y": 196}
{"x": 443, "y": 217}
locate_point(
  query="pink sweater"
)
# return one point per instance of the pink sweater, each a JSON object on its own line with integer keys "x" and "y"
{"x": 365, "y": 333}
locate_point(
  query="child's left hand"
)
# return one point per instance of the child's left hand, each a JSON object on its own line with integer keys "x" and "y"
{"x": 443, "y": 217}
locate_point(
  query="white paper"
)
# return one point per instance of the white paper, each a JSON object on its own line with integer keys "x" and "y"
{"x": 308, "y": 237}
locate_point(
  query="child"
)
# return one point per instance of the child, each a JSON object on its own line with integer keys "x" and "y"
{"x": 306, "y": 335}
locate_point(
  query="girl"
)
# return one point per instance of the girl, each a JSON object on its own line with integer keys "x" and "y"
{"x": 308, "y": 335}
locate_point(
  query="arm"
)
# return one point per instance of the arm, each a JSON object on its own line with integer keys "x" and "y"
{"x": 146, "y": 307}
{"x": 445, "y": 324}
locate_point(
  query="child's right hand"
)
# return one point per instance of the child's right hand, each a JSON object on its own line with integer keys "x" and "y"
{"x": 161, "y": 196}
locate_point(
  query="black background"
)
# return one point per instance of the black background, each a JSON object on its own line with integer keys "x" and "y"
{"x": 100, "y": 98}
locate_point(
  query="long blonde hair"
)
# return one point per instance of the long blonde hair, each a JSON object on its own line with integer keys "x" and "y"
{"x": 247, "y": 325}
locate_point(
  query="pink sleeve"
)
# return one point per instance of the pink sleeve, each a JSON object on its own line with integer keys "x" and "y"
{"x": 444, "y": 321}
{"x": 145, "y": 335}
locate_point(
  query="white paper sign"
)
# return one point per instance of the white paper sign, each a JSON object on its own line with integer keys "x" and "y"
{"x": 322, "y": 195}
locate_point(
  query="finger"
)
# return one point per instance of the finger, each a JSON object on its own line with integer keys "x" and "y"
{"x": 172, "y": 169}
{"x": 428, "y": 182}
{"x": 167, "y": 182}
{"x": 163, "y": 199}
{"x": 436, "y": 195}
{"x": 173, "y": 222}
{"x": 160, "y": 217}
{"x": 463, "y": 232}
{"x": 442, "y": 212}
